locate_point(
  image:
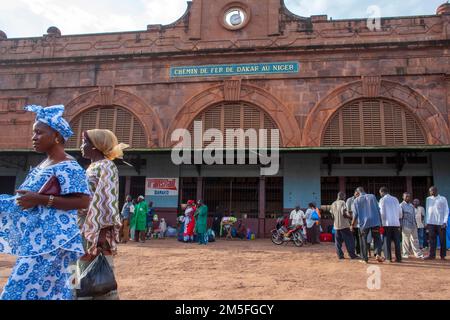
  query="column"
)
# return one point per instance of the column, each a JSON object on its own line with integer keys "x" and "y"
{"x": 342, "y": 186}
{"x": 127, "y": 186}
{"x": 447, "y": 82}
{"x": 200, "y": 188}
{"x": 262, "y": 208}
{"x": 409, "y": 185}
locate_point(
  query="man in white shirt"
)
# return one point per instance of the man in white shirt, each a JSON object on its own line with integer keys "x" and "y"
{"x": 297, "y": 218}
{"x": 420, "y": 220}
{"x": 436, "y": 219}
{"x": 391, "y": 213}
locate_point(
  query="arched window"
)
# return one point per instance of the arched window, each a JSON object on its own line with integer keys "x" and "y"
{"x": 124, "y": 124}
{"x": 376, "y": 122}
{"x": 235, "y": 116}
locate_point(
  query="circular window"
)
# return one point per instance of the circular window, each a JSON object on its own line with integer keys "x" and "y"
{"x": 235, "y": 18}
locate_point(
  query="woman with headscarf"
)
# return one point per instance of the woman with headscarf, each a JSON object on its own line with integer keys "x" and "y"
{"x": 39, "y": 224}
{"x": 189, "y": 221}
{"x": 100, "y": 224}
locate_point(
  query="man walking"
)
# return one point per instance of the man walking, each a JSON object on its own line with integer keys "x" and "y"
{"x": 367, "y": 217}
{"x": 436, "y": 219}
{"x": 342, "y": 228}
{"x": 125, "y": 216}
{"x": 391, "y": 214}
{"x": 420, "y": 220}
{"x": 409, "y": 229}
{"x": 355, "y": 230}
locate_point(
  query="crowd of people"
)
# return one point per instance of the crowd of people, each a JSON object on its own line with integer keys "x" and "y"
{"x": 362, "y": 219}
{"x": 64, "y": 216}
{"x": 140, "y": 221}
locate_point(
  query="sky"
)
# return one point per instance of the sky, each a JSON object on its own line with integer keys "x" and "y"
{"x": 32, "y": 18}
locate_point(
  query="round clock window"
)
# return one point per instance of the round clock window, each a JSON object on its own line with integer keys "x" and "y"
{"x": 235, "y": 18}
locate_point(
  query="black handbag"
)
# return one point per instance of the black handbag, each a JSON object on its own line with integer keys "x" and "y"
{"x": 98, "y": 279}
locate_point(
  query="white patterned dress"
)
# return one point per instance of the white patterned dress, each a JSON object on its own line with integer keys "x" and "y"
{"x": 46, "y": 241}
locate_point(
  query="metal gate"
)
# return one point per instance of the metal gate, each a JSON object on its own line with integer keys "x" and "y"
{"x": 237, "y": 196}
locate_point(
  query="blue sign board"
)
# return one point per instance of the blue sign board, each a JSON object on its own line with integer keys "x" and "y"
{"x": 235, "y": 69}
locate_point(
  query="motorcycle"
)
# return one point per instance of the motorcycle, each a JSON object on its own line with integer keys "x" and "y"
{"x": 279, "y": 236}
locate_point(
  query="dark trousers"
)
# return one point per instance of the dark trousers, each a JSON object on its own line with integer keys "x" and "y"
{"x": 392, "y": 234}
{"x": 434, "y": 231}
{"x": 313, "y": 234}
{"x": 356, "y": 240}
{"x": 376, "y": 239}
{"x": 345, "y": 235}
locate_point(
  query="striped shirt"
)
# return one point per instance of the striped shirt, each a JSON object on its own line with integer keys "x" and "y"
{"x": 103, "y": 211}
{"x": 409, "y": 216}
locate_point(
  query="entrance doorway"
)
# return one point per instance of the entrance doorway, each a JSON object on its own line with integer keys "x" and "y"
{"x": 237, "y": 196}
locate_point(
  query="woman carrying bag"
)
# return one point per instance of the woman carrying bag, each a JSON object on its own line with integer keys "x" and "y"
{"x": 100, "y": 224}
{"x": 39, "y": 224}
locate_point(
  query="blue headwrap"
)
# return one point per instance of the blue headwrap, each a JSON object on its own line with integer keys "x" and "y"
{"x": 52, "y": 116}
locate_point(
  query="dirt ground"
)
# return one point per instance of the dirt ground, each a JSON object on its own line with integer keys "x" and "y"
{"x": 165, "y": 269}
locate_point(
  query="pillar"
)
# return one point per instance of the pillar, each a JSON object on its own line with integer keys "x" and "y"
{"x": 127, "y": 186}
{"x": 342, "y": 185}
{"x": 200, "y": 188}
{"x": 409, "y": 185}
{"x": 262, "y": 208}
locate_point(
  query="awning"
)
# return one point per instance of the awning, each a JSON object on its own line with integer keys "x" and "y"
{"x": 440, "y": 148}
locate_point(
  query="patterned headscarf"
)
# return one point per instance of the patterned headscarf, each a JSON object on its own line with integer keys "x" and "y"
{"x": 106, "y": 142}
{"x": 53, "y": 117}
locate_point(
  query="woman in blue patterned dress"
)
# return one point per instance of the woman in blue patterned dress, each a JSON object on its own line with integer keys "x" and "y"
{"x": 42, "y": 230}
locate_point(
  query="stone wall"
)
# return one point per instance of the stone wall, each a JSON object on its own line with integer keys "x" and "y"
{"x": 408, "y": 60}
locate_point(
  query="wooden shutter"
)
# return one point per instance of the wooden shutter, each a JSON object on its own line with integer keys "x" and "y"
{"x": 373, "y": 123}
{"x": 332, "y": 134}
{"x": 127, "y": 127}
{"x": 352, "y": 126}
{"x": 414, "y": 133}
{"x": 232, "y": 120}
{"x": 124, "y": 125}
{"x": 234, "y": 116}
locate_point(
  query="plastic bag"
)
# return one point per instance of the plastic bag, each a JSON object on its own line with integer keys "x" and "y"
{"x": 98, "y": 279}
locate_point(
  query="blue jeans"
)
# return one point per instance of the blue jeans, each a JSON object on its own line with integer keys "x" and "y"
{"x": 345, "y": 235}
{"x": 421, "y": 233}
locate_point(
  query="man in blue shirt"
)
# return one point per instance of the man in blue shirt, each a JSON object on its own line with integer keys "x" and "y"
{"x": 367, "y": 217}
{"x": 125, "y": 215}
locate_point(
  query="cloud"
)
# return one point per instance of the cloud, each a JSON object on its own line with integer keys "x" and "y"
{"x": 346, "y": 9}
{"x": 28, "y": 18}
